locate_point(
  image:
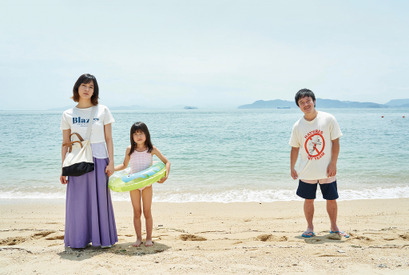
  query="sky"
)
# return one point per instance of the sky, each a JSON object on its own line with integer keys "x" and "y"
{"x": 204, "y": 53}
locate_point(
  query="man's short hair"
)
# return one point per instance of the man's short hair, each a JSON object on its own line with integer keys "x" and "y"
{"x": 304, "y": 93}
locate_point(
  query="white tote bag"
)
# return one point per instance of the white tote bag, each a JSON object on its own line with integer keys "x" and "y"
{"x": 78, "y": 159}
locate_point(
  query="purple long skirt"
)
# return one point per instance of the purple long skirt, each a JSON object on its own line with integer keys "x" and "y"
{"x": 89, "y": 215}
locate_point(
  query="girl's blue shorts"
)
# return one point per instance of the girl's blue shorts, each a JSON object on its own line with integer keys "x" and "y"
{"x": 308, "y": 190}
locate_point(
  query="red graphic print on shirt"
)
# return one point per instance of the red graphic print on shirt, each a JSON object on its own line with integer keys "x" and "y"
{"x": 315, "y": 144}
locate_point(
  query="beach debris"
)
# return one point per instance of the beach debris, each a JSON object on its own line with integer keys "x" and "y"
{"x": 191, "y": 237}
{"x": 341, "y": 251}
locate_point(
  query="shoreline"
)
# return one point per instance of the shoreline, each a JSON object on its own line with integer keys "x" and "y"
{"x": 247, "y": 237}
{"x": 231, "y": 196}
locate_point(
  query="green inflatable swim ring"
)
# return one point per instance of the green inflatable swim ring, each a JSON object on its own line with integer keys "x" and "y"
{"x": 122, "y": 181}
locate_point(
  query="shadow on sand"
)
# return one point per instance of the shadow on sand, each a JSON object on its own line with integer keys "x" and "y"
{"x": 127, "y": 249}
{"x": 328, "y": 238}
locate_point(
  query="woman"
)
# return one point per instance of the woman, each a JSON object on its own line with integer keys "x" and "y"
{"x": 89, "y": 212}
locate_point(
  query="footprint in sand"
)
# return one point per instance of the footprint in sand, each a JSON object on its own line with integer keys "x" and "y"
{"x": 36, "y": 236}
{"x": 40, "y": 235}
{"x": 405, "y": 236}
{"x": 271, "y": 238}
{"x": 363, "y": 238}
{"x": 12, "y": 241}
{"x": 61, "y": 237}
{"x": 190, "y": 237}
{"x": 44, "y": 234}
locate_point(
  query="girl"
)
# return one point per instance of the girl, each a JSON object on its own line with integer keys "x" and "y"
{"x": 140, "y": 154}
{"x": 89, "y": 212}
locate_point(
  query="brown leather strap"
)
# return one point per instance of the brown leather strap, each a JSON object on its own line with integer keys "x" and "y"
{"x": 69, "y": 145}
{"x": 78, "y": 136}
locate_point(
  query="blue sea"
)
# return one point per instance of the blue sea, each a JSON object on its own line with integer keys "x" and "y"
{"x": 230, "y": 155}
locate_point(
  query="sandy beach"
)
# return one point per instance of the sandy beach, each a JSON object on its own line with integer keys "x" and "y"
{"x": 214, "y": 238}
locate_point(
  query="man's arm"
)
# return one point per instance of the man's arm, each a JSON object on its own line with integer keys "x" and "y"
{"x": 293, "y": 159}
{"x": 332, "y": 167}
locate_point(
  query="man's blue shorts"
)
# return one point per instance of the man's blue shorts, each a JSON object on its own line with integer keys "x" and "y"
{"x": 308, "y": 190}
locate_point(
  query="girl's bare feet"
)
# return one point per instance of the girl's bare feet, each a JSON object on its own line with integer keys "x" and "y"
{"x": 137, "y": 243}
{"x": 149, "y": 243}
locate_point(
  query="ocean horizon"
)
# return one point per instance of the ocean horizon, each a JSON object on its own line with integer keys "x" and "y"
{"x": 223, "y": 155}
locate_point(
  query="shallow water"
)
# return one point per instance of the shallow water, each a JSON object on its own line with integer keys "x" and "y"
{"x": 216, "y": 155}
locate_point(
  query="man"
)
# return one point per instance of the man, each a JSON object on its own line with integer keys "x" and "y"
{"x": 315, "y": 137}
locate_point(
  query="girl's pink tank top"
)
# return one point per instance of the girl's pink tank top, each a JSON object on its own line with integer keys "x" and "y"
{"x": 140, "y": 161}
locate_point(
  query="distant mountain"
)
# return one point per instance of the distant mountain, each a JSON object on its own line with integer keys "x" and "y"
{"x": 330, "y": 103}
{"x": 324, "y": 103}
{"x": 261, "y": 104}
{"x": 398, "y": 103}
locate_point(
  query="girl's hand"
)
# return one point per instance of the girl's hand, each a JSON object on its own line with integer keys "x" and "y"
{"x": 162, "y": 180}
{"x": 109, "y": 170}
{"x": 63, "y": 179}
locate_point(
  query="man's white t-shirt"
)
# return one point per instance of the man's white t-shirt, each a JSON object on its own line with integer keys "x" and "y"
{"x": 77, "y": 119}
{"x": 314, "y": 138}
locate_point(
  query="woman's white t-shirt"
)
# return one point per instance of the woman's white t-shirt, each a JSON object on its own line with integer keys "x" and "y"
{"x": 77, "y": 120}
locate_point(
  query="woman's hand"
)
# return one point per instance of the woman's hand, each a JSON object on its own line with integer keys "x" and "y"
{"x": 63, "y": 179}
{"x": 162, "y": 180}
{"x": 109, "y": 170}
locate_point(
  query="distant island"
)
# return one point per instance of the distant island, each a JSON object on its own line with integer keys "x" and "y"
{"x": 190, "y": 108}
{"x": 325, "y": 103}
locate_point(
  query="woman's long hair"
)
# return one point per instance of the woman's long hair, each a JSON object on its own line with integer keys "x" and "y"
{"x": 140, "y": 126}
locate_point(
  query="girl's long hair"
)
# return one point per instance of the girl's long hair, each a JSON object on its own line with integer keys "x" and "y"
{"x": 140, "y": 126}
